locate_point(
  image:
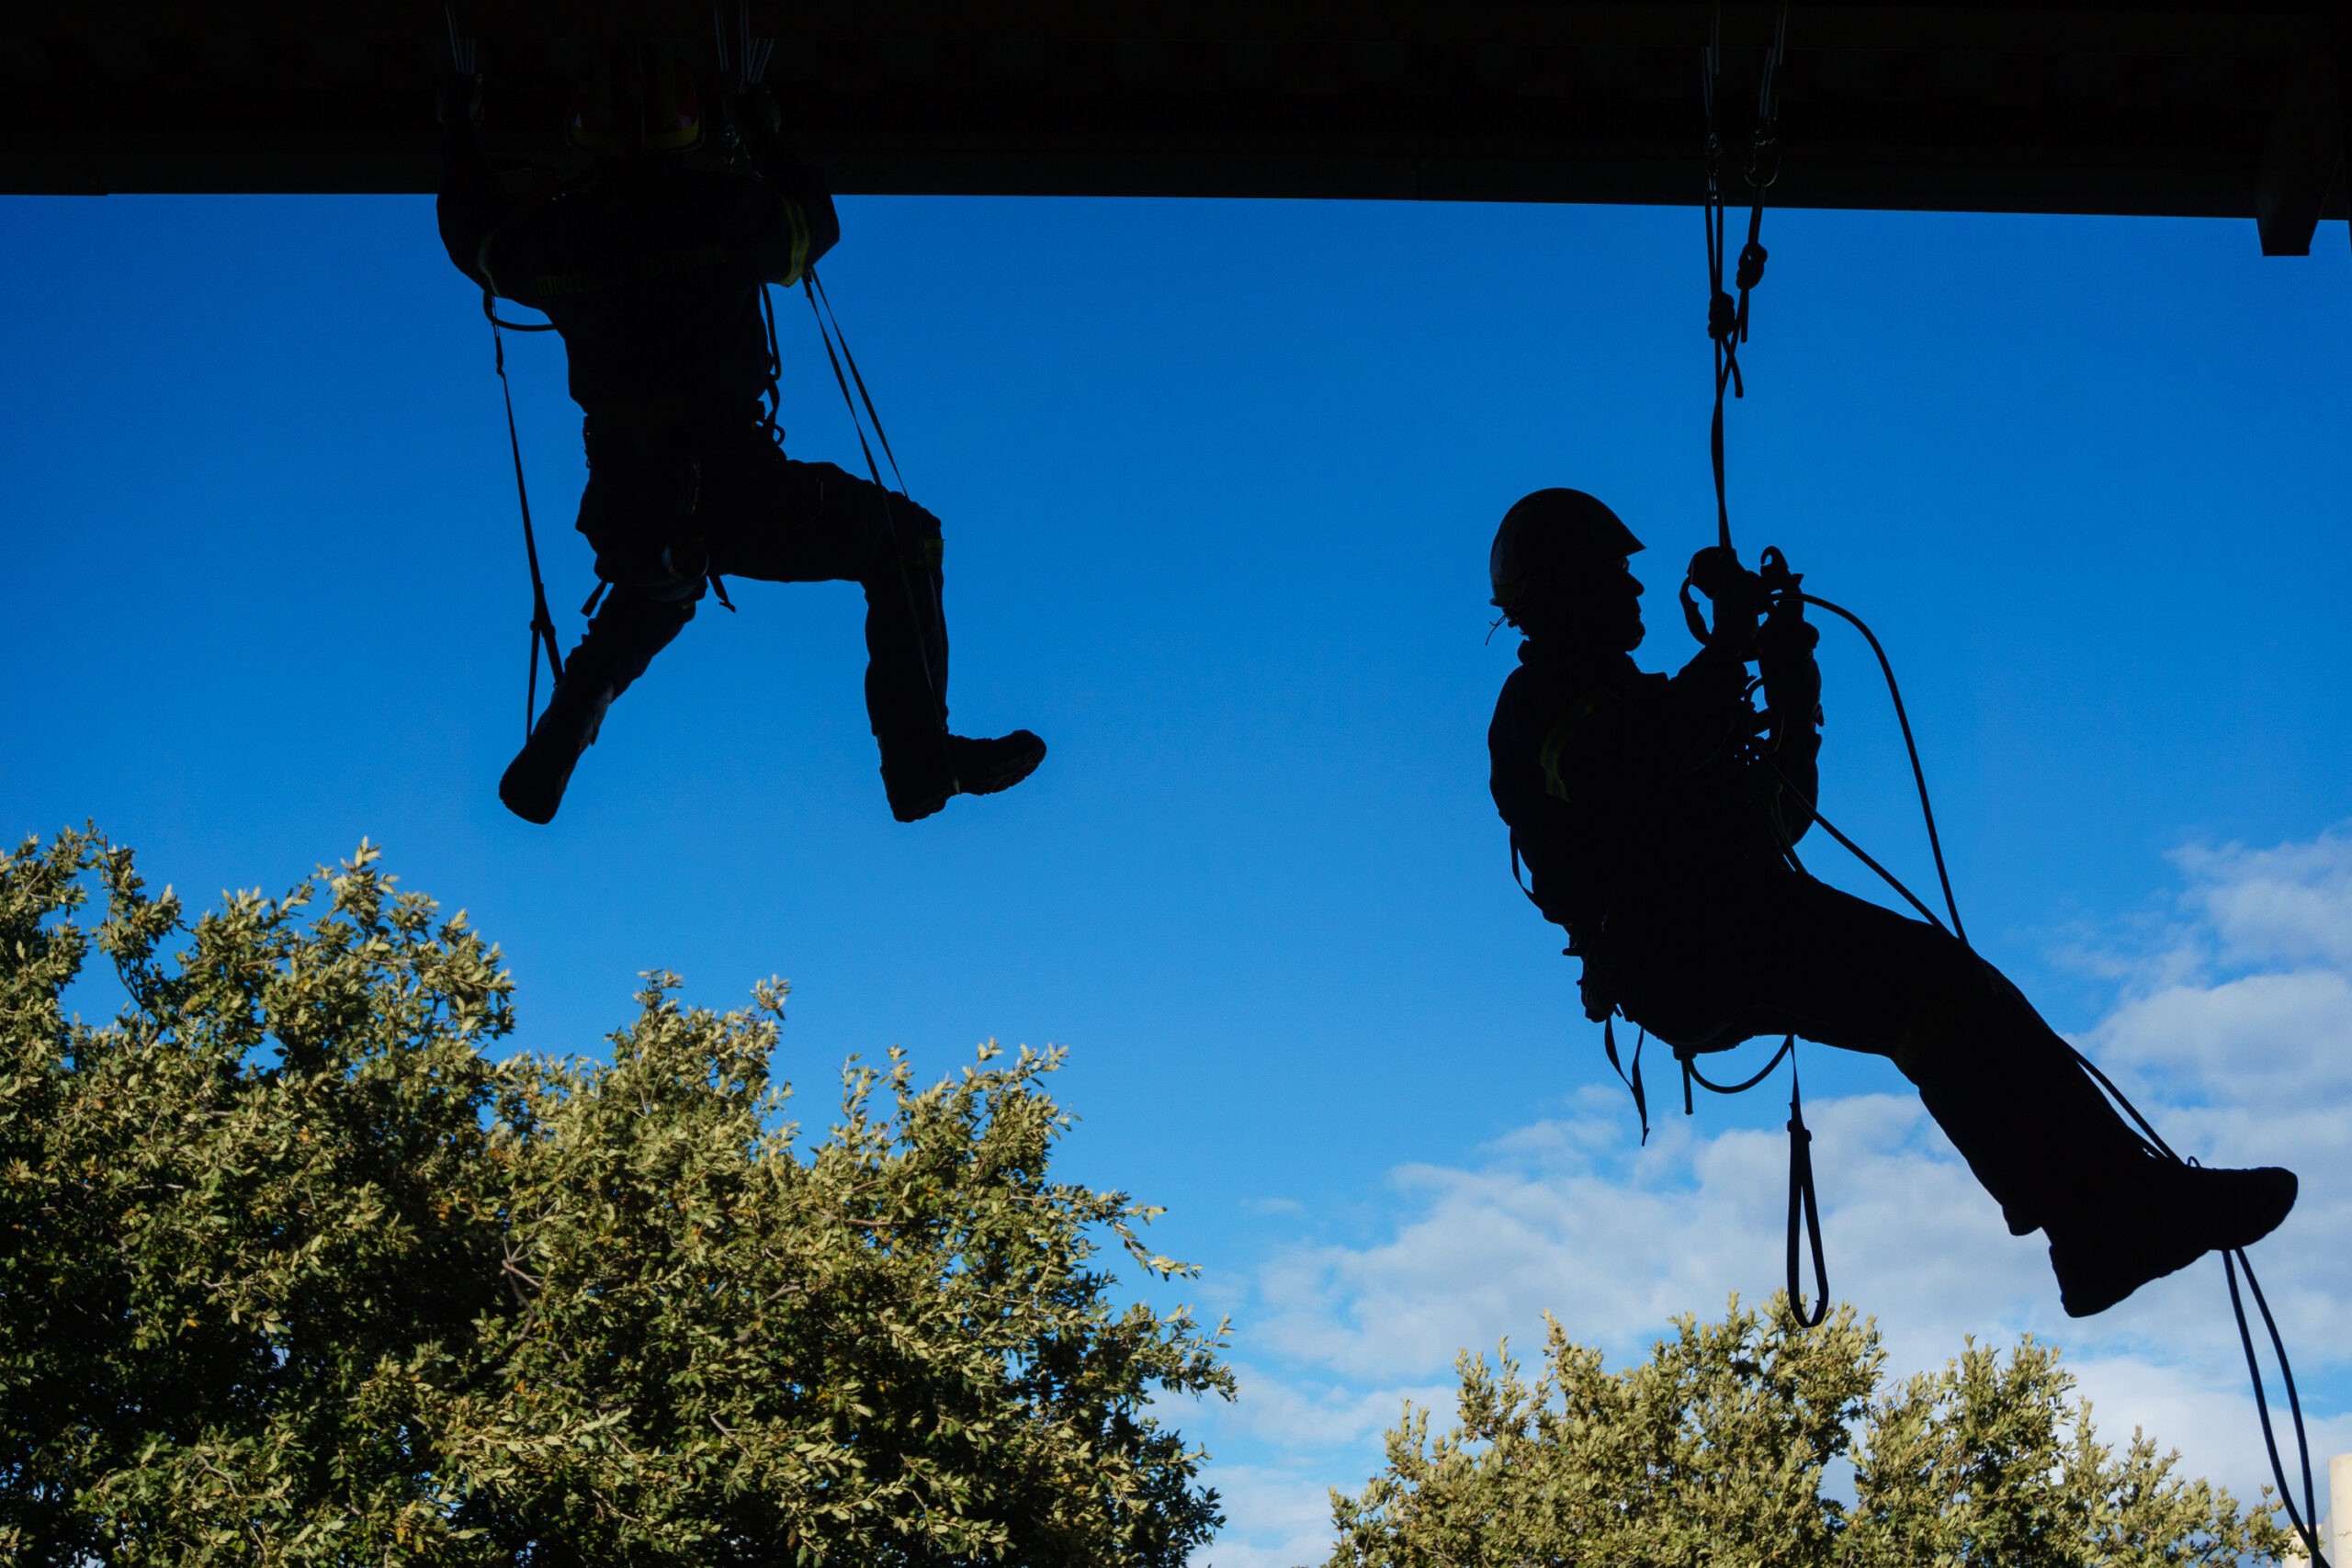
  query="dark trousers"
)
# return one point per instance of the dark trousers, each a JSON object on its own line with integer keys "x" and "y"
{"x": 668, "y": 508}
{"x": 1705, "y": 963}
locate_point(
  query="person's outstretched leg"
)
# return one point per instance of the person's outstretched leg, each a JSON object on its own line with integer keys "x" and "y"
{"x": 631, "y": 626}
{"x": 2041, "y": 1138}
{"x": 780, "y": 521}
{"x": 639, "y": 509}
{"x": 1778, "y": 951}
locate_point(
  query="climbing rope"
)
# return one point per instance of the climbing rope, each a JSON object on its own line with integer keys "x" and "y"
{"x": 1728, "y": 328}
{"x": 2233, "y": 1260}
{"x": 542, "y": 622}
{"x": 464, "y": 56}
{"x": 1727, "y": 316}
{"x": 829, "y": 328}
{"x": 748, "y": 57}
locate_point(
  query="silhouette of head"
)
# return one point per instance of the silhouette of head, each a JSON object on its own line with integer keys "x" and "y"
{"x": 637, "y": 100}
{"x": 1560, "y": 572}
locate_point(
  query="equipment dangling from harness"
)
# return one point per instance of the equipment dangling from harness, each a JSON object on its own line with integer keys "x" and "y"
{"x": 1805, "y": 1207}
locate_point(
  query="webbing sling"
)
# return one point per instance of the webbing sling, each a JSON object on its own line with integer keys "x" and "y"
{"x": 1805, "y": 1207}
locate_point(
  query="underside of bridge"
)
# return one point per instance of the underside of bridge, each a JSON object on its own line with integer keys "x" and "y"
{"x": 2233, "y": 111}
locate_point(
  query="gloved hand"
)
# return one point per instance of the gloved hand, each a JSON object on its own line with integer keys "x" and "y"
{"x": 1784, "y": 648}
{"x": 1736, "y": 592}
{"x": 459, "y": 106}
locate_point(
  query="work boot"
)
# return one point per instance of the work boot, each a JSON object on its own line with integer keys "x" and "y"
{"x": 2175, "y": 1214}
{"x": 986, "y": 766}
{"x": 981, "y": 766}
{"x": 534, "y": 782}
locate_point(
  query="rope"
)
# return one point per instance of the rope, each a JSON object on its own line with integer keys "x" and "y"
{"x": 2233, "y": 1260}
{"x": 463, "y": 54}
{"x": 1801, "y": 1197}
{"x": 1727, "y": 327}
{"x": 1727, "y": 318}
{"x": 816, "y": 285}
{"x": 812, "y": 289}
{"x": 542, "y": 622}
{"x": 1805, "y": 1204}
{"x": 464, "y": 57}
{"x": 739, "y": 54}
{"x": 1911, "y": 747}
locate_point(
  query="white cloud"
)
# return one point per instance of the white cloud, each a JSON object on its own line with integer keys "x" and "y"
{"x": 1311, "y": 1413}
{"x": 2269, "y": 1041}
{"x": 2211, "y": 1423}
{"x": 2236, "y": 1035}
{"x": 2288, "y": 905}
{"x": 1614, "y": 1245}
{"x": 1274, "y": 1518}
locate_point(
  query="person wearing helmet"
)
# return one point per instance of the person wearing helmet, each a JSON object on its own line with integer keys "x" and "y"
{"x": 654, "y": 268}
{"x": 1656, "y": 816}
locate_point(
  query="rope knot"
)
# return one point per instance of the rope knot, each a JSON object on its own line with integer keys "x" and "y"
{"x": 1722, "y": 314}
{"x": 1752, "y": 266}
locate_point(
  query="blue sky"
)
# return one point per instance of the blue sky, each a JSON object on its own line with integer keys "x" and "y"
{"x": 1218, "y": 479}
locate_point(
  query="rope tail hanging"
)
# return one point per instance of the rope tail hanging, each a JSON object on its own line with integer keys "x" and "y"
{"x": 1805, "y": 1206}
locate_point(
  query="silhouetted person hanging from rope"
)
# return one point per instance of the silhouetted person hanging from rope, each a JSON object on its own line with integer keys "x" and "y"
{"x": 654, "y": 268}
{"x": 1656, "y": 815}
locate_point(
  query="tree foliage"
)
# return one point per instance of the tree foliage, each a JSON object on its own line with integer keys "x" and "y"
{"x": 294, "y": 1272}
{"x": 1716, "y": 1450}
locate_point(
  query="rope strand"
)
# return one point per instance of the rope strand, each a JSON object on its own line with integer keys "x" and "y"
{"x": 1727, "y": 318}
{"x": 2232, "y": 1258}
{"x": 812, "y": 288}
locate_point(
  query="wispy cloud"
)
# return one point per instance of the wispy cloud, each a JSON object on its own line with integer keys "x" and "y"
{"x": 2234, "y": 1029}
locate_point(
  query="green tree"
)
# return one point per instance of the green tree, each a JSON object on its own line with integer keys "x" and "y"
{"x": 292, "y": 1272}
{"x": 1715, "y": 1450}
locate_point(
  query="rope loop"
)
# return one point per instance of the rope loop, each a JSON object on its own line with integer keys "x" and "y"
{"x": 1804, "y": 1212}
{"x": 1751, "y": 267}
